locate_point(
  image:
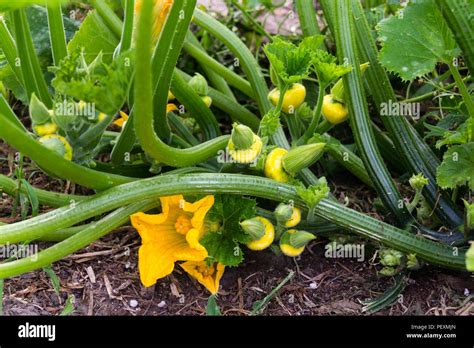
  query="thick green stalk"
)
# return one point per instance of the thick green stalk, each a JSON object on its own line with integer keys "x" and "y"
{"x": 237, "y": 184}
{"x": 207, "y": 61}
{"x": 249, "y": 66}
{"x": 127, "y": 27}
{"x": 57, "y": 35}
{"x": 7, "y": 112}
{"x": 242, "y": 53}
{"x": 316, "y": 116}
{"x": 195, "y": 106}
{"x": 458, "y": 15}
{"x": 347, "y": 159}
{"x": 181, "y": 129}
{"x": 165, "y": 58}
{"x": 143, "y": 118}
{"x": 33, "y": 78}
{"x": 360, "y": 119}
{"x": 8, "y": 46}
{"x": 51, "y": 199}
{"x": 307, "y": 16}
{"x": 75, "y": 242}
{"x": 111, "y": 20}
{"x": 414, "y": 152}
{"x": 237, "y": 112}
{"x": 467, "y": 98}
{"x": 55, "y": 164}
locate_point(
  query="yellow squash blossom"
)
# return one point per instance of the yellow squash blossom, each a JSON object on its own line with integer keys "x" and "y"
{"x": 161, "y": 10}
{"x": 207, "y": 275}
{"x": 170, "y": 236}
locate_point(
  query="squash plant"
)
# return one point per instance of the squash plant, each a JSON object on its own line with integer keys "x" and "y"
{"x": 227, "y": 162}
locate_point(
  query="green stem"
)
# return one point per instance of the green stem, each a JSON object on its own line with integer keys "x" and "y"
{"x": 8, "y": 46}
{"x": 127, "y": 27}
{"x": 143, "y": 118}
{"x": 360, "y": 119}
{"x": 8, "y": 113}
{"x": 236, "y": 111}
{"x": 316, "y": 116}
{"x": 33, "y": 78}
{"x": 166, "y": 185}
{"x": 416, "y": 199}
{"x": 231, "y": 77}
{"x": 458, "y": 15}
{"x": 196, "y": 107}
{"x": 416, "y": 155}
{"x": 51, "y": 199}
{"x": 57, "y": 35}
{"x": 53, "y": 163}
{"x": 108, "y": 15}
{"x": 462, "y": 89}
{"x": 216, "y": 80}
{"x": 75, "y": 242}
{"x": 307, "y": 16}
{"x": 433, "y": 93}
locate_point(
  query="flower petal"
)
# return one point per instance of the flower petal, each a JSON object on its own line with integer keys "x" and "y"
{"x": 200, "y": 209}
{"x": 210, "y": 282}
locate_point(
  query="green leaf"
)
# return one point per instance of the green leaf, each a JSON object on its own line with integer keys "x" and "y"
{"x": 223, "y": 249}
{"x": 457, "y": 168}
{"x": 291, "y": 63}
{"x": 212, "y": 309}
{"x": 68, "y": 306}
{"x": 415, "y": 40}
{"x": 54, "y": 278}
{"x": 270, "y": 123}
{"x": 32, "y": 197}
{"x": 95, "y": 37}
{"x": 223, "y": 245}
{"x": 313, "y": 194}
{"x": 324, "y": 63}
{"x": 230, "y": 211}
{"x": 104, "y": 85}
{"x": 462, "y": 135}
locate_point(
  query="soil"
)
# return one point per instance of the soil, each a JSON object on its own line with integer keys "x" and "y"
{"x": 104, "y": 278}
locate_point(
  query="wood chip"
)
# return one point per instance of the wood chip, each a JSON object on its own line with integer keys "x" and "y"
{"x": 91, "y": 274}
{"x": 90, "y": 308}
{"x": 109, "y": 288}
{"x": 174, "y": 290}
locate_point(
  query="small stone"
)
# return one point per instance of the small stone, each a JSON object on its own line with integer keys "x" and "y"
{"x": 162, "y": 304}
{"x": 133, "y": 303}
{"x": 466, "y": 292}
{"x": 313, "y": 285}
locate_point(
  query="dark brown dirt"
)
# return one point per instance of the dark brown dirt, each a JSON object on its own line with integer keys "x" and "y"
{"x": 104, "y": 279}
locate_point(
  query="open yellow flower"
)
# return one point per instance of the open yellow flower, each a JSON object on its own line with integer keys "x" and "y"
{"x": 170, "y": 236}
{"x": 161, "y": 10}
{"x": 207, "y": 275}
